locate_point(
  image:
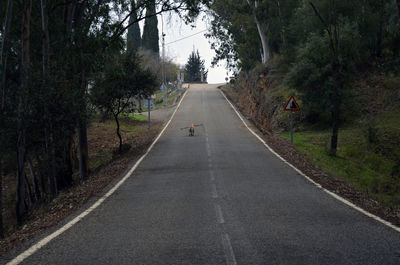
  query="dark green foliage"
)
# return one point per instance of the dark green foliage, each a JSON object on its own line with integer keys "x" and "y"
{"x": 194, "y": 68}
{"x": 122, "y": 80}
{"x": 150, "y": 29}
{"x": 46, "y": 107}
{"x": 134, "y": 40}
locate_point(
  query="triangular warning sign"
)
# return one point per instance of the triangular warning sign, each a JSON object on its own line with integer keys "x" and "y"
{"x": 292, "y": 105}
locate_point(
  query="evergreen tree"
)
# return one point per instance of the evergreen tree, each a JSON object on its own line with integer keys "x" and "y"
{"x": 150, "y": 29}
{"x": 133, "y": 37}
{"x": 194, "y": 68}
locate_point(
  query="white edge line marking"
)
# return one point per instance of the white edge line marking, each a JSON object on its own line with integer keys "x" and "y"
{"x": 309, "y": 179}
{"x": 68, "y": 225}
{"x": 229, "y": 254}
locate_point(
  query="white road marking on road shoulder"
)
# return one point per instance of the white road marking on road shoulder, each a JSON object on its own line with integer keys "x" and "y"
{"x": 68, "y": 225}
{"x": 228, "y": 250}
{"x": 336, "y": 196}
{"x": 220, "y": 216}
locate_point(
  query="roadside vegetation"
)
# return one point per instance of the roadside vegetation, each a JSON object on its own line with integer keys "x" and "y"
{"x": 367, "y": 155}
{"x": 64, "y": 65}
{"x": 340, "y": 60}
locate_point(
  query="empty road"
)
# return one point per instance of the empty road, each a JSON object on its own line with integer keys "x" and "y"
{"x": 219, "y": 197}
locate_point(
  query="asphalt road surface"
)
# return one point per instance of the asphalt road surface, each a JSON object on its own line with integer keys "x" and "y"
{"x": 219, "y": 197}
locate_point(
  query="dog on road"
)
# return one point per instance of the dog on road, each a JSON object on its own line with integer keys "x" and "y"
{"x": 191, "y": 128}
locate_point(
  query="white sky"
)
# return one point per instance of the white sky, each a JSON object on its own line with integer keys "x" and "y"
{"x": 179, "y": 51}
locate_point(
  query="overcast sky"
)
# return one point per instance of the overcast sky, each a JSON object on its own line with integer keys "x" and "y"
{"x": 179, "y": 51}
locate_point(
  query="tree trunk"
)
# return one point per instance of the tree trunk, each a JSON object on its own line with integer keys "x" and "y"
{"x": 83, "y": 145}
{"x": 4, "y": 55}
{"x": 1, "y": 201}
{"x": 68, "y": 162}
{"x": 35, "y": 183}
{"x": 398, "y": 7}
{"x": 118, "y": 133}
{"x": 45, "y": 41}
{"x": 21, "y": 208}
{"x": 263, "y": 37}
{"x": 83, "y": 149}
{"x": 379, "y": 37}
{"x": 51, "y": 179}
{"x": 52, "y": 182}
{"x": 283, "y": 29}
{"x": 333, "y": 34}
{"x": 337, "y": 85}
{"x": 3, "y": 69}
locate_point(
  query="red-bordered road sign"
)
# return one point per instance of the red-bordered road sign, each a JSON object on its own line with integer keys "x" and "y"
{"x": 292, "y": 105}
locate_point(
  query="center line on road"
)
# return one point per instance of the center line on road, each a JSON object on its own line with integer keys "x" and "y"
{"x": 214, "y": 191}
{"x": 229, "y": 254}
{"x": 220, "y": 216}
{"x": 212, "y": 176}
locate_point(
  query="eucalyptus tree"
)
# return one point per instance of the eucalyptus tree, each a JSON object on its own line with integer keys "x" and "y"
{"x": 3, "y": 68}
{"x": 50, "y": 51}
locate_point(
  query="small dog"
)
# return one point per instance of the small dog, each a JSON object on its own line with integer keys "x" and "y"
{"x": 191, "y": 128}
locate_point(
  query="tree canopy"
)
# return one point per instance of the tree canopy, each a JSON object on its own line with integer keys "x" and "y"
{"x": 195, "y": 69}
{"x": 54, "y": 54}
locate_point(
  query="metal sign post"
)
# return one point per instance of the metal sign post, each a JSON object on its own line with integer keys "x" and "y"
{"x": 149, "y": 107}
{"x": 291, "y": 106}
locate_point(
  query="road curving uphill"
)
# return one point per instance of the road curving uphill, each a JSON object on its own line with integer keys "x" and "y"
{"x": 219, "y": 197}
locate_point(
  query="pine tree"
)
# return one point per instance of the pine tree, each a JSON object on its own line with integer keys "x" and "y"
{"x": 194, "y": 68}
{"x": 133, "y": 37}
{"x": 150, "y": 29}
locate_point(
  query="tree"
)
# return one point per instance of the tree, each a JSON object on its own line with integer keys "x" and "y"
{"x": 133, "y": 37}
{"x": 194, "y": 68}
{"x": 3, "y": 69}
{"x": 241, "y": 31}
{"x": 150, "y": 29}
{"x": 122, "y": 81}
{"x": 265, "y": 55}
{"x": 50, "y": 52}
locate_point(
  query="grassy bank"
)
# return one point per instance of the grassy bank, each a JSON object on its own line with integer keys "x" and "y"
{"x": 368, "y": 155}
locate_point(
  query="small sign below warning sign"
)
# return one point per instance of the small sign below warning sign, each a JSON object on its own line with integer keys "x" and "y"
{"x": 292, "y": 105}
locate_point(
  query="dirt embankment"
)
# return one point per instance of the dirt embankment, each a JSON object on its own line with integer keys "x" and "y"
{"x": 260, "y": 95}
